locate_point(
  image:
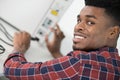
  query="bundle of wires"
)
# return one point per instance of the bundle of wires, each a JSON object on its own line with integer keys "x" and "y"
{"x": 8, "y": 36}
{"x": 4, "y": 31}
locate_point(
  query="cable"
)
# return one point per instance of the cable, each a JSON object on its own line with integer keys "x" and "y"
{"x": 7, "y": 34}
{"x": 3, "y": 29}
{"x": 10, "y": 24}
{"x": 35, "y": 38}
{"x": 9, "y": 37}
{"x": 2, "y": 49}
{"x": 6, "y": 42}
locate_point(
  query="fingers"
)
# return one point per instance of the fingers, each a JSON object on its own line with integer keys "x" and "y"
{"x": 59, "y": 32}
{"x": 22, "y": 34}
{"x": 21, "y": 41}
{"x": 58, "y": 35}
{"x": 21, "y": 37}
{"x": 58, "y": 28}
{"x": 46, "y": 38}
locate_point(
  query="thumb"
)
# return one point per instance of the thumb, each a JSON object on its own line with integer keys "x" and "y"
{"x": 46, "y": 38}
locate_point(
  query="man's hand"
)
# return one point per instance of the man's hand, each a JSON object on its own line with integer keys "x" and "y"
{"x": 21, "y": 41}
{"x": 54, "y": 45}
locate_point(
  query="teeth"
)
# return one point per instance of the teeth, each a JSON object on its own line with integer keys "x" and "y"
{"x": 80, "y": 37}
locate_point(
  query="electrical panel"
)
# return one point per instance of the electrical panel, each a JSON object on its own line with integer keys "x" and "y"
{"x": 52, "y": 16}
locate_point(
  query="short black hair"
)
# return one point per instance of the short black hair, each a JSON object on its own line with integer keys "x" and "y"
{"x": 112, "y": 7}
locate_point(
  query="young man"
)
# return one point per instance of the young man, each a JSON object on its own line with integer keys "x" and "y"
{"x": 94, "y": 55}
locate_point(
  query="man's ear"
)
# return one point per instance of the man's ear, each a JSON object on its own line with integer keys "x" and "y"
{"x": 114, "y": 32}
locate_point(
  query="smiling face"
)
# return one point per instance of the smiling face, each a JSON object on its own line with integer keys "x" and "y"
{"x": 92, "y": 28}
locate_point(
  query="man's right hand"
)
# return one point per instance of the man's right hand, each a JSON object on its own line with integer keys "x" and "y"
{"x": 21, "y": 41}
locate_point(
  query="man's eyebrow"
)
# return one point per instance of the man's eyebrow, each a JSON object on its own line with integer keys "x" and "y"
{"x": 91, "y": 16}
{"x": 88, "y": 16}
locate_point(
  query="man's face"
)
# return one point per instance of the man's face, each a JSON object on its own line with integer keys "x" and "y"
{"x": 91, "y": 29}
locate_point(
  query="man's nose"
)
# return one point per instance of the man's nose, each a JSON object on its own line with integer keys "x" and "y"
{"x": 80, "y": 26}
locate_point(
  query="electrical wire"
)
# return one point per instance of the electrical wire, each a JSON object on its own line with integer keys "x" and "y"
{"x": 6, "y": 42}
{"x": 8, "y": 36}
{"x": 17, "y": 29}
{"x": 2, "y": 49}
{"x": 9, "y": 24}
{"x": 5, "y": 32}
{"x": 3, "y": 29}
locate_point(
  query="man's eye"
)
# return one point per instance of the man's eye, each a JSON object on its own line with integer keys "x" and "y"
{"x": 78, "y": 20}
{"x": 90, "y": 23}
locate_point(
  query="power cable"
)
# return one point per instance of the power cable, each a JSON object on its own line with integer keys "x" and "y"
{"x": 9, "y": 37}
